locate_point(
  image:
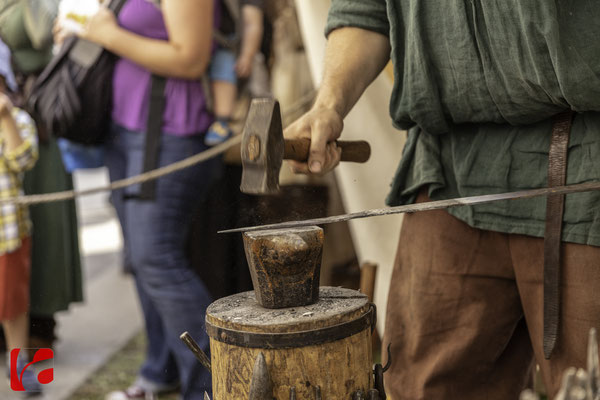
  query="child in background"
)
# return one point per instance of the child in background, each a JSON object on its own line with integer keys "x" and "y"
{"x": 18, "y": 153}
{"x": 225, "y": 69}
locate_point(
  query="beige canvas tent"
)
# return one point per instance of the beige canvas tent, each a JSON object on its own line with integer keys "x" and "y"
{"x": 362, "y": 186}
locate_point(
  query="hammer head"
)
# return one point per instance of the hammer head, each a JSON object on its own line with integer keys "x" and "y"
{"x": 262, "y": 147}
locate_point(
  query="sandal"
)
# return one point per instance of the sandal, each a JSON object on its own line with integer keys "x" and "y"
{"x": 218, "y": 132}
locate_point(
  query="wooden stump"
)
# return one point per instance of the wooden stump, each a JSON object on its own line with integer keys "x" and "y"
{"x": 325, "y": 345}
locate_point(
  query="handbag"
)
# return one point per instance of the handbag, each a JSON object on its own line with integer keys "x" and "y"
{"x": 72, "y": 97}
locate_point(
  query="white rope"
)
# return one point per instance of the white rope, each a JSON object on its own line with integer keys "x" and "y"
{"x": 150, "y": 175}
{"x": 147, "y": 176}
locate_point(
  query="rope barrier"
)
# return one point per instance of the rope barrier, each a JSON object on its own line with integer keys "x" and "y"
{"x": 146, "y": 176}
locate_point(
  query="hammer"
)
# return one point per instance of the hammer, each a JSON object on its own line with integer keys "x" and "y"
{"x": 264, "y": 148}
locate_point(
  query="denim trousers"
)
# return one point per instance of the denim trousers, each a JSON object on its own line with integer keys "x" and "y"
{"x": 172, "y": 297}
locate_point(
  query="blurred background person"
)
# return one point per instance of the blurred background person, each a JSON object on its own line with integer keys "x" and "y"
{"x": 239, "y": 37}
{"x": 56, "y": 279}
{"x": 171, "y": 39}
{"x": 18, "y": 153}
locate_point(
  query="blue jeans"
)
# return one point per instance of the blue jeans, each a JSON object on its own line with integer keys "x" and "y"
{"x": 172, "y": 297}
{"x": 222, "y": 66}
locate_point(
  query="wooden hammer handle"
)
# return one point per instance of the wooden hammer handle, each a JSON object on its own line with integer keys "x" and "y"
{"x": 356, "y": 151}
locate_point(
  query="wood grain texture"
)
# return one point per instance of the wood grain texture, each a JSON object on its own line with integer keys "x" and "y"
{"x": 339, "y": 368}
{"x": 242, "y": 312}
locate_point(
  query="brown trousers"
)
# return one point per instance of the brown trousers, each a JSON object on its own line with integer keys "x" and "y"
{"x": 464, "y": 313}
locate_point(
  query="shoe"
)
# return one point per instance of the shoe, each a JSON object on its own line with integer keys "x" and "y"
{"x": 132, "y": 392}
{"x": 218, "y": 132}
{"x": 136, "y": 391}
{"x": 29, "y": 378}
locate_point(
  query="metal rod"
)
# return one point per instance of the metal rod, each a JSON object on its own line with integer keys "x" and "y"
{"x": 428, "y": 206}
{"x": 193, "y": 346}
{"x": 359, "y": 395}
{"x": 373, "y": 394}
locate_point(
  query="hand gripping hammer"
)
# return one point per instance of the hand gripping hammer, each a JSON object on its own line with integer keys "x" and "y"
{"x": 264, "y": 148}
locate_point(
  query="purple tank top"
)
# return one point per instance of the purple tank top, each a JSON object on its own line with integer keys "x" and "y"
{"x": 185, "y": 106}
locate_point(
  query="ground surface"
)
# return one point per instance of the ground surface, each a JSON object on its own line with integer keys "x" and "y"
{"x": 117, "y": 374}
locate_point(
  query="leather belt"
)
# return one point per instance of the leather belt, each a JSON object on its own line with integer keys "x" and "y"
{"x": 555, "y": 204}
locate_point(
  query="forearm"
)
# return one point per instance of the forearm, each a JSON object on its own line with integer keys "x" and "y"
{"x": 253, "y": 30}
{"x": 186, "y": 52}
{"x": 354, "y": 58}
{"x": 158, "y": 56}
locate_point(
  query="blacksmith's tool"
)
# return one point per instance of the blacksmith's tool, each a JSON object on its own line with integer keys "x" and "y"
{"x": 318, "y": 395}
{"x": 285, "y": 266}
{"x": 264, "y": 148}
{"x": 261, "y": 386}
{"x": 578, "y": 384}
{"x": 378, "y": 371}
{"x": 193, "y": 346}
{"x": 428, "y": 206}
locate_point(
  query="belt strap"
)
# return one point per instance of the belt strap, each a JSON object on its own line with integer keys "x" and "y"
{"x": 555, "y": 204}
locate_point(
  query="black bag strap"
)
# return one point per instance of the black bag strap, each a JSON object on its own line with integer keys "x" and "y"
{"x": 153, "y": 133}
{"x": 86, "y": 53}
{"x": 116, "y": 5}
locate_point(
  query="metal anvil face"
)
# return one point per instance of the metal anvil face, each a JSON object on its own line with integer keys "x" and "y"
{"x": 285, "y": 265}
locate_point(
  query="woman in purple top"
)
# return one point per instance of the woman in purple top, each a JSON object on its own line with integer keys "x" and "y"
{"x": 174, "y": 40}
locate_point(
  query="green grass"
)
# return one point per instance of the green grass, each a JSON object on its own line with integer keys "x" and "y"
{"x": 118, "y": 373}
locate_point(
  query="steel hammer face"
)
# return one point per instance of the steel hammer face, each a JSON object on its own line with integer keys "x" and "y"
{"x": 262, "y": 148}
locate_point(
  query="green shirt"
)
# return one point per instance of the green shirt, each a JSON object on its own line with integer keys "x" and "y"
{"x": 476, "y": 83}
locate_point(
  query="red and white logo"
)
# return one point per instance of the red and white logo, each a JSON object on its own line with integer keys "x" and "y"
{"x": 44, "y": 377}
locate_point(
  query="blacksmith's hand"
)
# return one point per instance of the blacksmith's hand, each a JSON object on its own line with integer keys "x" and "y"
{"x": 322, "y": 126}
{"x": 100, "y": 27}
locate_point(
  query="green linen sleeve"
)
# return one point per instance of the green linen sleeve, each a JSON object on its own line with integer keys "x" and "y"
{"x": 365, "y": 14}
